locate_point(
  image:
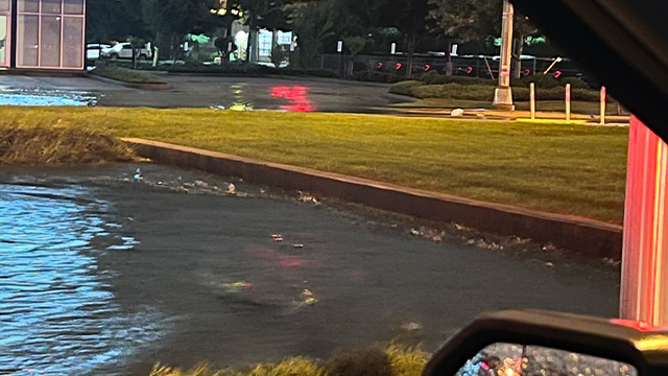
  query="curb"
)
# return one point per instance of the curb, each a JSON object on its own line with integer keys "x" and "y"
{"x": 147, "y": 86}
{"x": 144, "y": 86}
{"x": 585, "y": 236}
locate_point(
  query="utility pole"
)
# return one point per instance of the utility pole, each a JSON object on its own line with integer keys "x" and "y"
{"x": 503, "y": 96}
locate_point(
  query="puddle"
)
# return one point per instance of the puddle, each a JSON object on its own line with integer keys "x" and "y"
{"x": 9, "y": 97}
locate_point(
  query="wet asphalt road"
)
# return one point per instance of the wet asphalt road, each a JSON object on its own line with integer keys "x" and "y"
{"x": 269, "y": 93}
{"x": 197, "y": 277}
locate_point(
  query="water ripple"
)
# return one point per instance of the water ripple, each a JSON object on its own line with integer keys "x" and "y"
{"x": 58, "y": 314}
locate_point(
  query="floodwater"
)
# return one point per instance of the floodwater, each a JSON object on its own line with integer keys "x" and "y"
{"x": 13, "y": 97}
{"x": 108, "y": 269}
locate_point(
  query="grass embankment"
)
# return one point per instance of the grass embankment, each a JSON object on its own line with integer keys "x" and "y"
{"x": 126, "y": 75}
{"x": 557, "y": 168}
{"x": 31, "y": 145}
{"x": 580, "y": 107}
{"x": 394, "y": 361}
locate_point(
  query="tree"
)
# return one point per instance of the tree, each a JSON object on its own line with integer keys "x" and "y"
{"x": 104, "y": 25}
{"x": 468, "y": 20}
{"x": 410, "y": 18}
{"x": 479, "y": 21}
{"x": 313, "y": 26}
{"x": 277, "y": 55}
{"x": 176, "y": 18}
{"x": 137, "y": 44}
{"x": 267, "y": 14}
{"x": 355, "y": 45}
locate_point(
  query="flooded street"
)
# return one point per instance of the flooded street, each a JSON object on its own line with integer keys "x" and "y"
{"x": 106, "y": 270}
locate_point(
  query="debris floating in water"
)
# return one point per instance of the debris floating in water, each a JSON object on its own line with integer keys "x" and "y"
{"x": 305, "y": 197}
{"x": 138, "y": 175}
{"x": 277, "y": 237}
{"x": 307, "y": 297}
{"x": 411, "y": 326}
{"x": 298, "y": 246}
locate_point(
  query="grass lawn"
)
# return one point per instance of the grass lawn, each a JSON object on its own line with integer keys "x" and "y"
{"x": 580, "y": 107}
{"x": 566, "y": 169}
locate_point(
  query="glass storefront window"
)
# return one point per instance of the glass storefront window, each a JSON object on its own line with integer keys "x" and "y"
{"x": 72, "y": 33}
{"x": 4, "y": 5}
{"x": 28, "y": 48}
{"x": 50, "y": 34}
{"x": 50, "y": 46}
{"x": 74, "y": 7}
{"x": 31, "y": 6}
{"x": 4, "y": 23}
{"x": 51, "y": 6}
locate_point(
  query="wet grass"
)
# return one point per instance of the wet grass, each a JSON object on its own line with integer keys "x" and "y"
{"x": 589, "y": 108}
{"x": 39, "y": 145}
{"x": 393, "y": 361}
{"x": 558, "y": 168}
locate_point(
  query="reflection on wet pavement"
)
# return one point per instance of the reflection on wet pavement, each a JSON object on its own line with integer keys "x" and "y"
{"x": 297, "y": 96}
{"x": 57, "y": 313}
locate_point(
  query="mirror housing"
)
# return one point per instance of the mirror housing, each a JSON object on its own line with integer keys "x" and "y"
{"x": 627, "y": 342}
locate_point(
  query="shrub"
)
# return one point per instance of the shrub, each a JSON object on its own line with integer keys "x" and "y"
{"x": 371, "y": 362}
{"x": 434, "y": 78}
{"x": 406, "y": 362}
{"x": 126, "y": 75}
{"x": 32, "y": 145}
{"x": 418, "y": 89}
{"x": 380, "y": 77}
{"x": 407, "y": 88}
{"x": 394, "y": 361}
{"x": 575, "y": 82}
{"x": 548, "y": 82}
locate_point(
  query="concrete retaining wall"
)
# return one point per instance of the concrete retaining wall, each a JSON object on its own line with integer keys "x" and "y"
{"x": 593, "y": 238}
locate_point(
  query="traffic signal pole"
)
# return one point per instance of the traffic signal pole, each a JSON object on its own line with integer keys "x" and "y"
{"x": 644, "y": 287}
{"x": 503, "y": 96}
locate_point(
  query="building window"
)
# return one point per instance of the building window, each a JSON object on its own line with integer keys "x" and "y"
{"x": 5, "y": 24}
{"x": 50, "y": 34}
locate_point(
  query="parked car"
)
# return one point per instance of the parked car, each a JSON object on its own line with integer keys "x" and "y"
{"x": 124, "y": 51}
{"x": 95, "y": 50}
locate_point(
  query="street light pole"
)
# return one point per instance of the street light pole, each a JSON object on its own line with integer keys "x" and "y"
{"x": 503, "y": 96}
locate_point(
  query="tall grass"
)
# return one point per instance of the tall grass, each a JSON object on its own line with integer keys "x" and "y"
{"x": 391, "y": 361}
{"x": 40, "y": 144}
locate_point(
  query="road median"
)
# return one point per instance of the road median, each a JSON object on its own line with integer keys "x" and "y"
{"x": 581, "y": 235}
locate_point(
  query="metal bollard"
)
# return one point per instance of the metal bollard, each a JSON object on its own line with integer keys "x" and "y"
{"x": 568, "y": 103}
{"x": 532, "y": 100}
{"x": 604, "y": 99}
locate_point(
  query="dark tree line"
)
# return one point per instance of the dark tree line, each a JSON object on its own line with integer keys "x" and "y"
{"x": 363, "y": 25}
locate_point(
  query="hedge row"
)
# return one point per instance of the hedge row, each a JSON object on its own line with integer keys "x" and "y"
{"x": 541, "y": 81}
{"x": 418, "y": 89}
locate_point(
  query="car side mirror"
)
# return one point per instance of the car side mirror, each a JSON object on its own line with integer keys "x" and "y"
{"x": 532, "y": 343}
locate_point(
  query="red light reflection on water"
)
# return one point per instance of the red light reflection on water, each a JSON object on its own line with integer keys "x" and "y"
{"x": 296, "y": 95}
{"x": 272, "y": 257}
